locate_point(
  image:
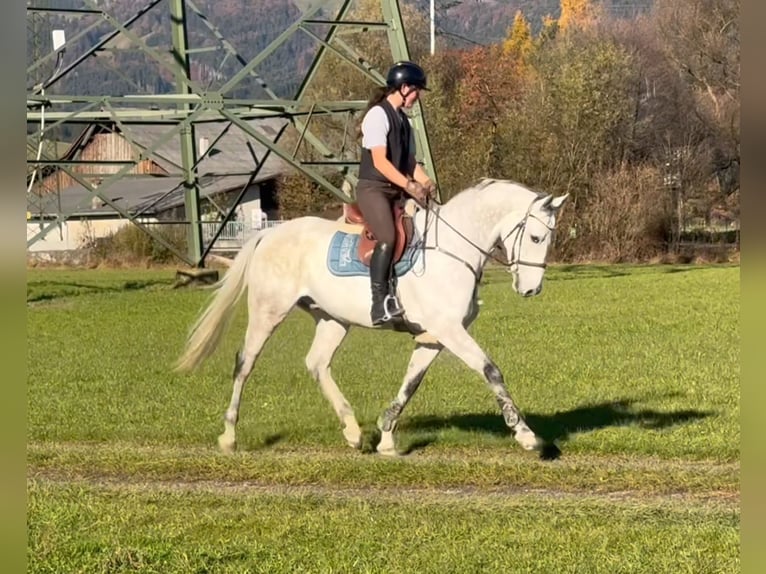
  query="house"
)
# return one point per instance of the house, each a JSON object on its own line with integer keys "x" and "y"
{"x": 153, "y": 189}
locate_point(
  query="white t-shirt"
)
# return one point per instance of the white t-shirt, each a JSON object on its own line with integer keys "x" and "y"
{"x": 375, "y": 128}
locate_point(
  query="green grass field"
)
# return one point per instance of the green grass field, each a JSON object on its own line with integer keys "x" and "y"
{"x": 632, "y": 371}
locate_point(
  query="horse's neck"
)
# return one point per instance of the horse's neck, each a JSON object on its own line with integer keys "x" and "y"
{"x": 476, "y": 221}
{"x": 473, "y": 221}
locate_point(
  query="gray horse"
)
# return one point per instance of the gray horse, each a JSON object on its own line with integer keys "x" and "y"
{"x": 286, "y": 266}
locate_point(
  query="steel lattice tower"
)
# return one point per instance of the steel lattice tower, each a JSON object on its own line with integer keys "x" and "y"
{"x": 328, "y": 23}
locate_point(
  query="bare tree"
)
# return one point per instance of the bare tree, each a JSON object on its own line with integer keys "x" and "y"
{"x": 701, "y": 39}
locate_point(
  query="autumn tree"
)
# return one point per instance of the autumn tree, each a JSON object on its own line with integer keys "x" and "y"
{"x": 519, "y": 42}
{"x": 548, "y": 30}
{"x": 572, "y": 115}
{"x": 472, "y": 93}
{"x": 578, "y": 14}
{"x": 442, "y": 116}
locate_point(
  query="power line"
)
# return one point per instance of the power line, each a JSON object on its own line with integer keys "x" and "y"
{"x": 615, "y": 8}
{"x": 443, "y": 32}
{"x": 430, "y": 14}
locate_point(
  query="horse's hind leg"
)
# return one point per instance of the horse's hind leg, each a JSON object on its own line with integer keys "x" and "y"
{"x": 261, "y": 324}
{"x": 421, "y": 359}
{"x": 327, "y": 338}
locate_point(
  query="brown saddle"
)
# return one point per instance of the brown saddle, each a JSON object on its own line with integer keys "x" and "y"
{"x": 367, "y": 241}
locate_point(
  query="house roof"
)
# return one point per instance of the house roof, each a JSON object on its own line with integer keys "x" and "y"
{"x": 227, "y": 166}
{"x": 142, "y": 195}
{"x": 228, "y": 155}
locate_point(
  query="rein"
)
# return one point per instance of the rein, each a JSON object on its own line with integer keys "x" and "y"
{"x": 488, "y": 254}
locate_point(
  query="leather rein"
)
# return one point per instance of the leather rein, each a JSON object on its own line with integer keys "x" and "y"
{"x": 488, "y": 254}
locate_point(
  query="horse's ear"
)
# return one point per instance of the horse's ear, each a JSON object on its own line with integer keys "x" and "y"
{"x": 545, "y": 202}
{"x": 551, "y": 203}
{"x": 554, "y": 204}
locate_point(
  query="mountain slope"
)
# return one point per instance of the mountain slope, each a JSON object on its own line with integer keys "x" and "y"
{"x": 249, "y": 26}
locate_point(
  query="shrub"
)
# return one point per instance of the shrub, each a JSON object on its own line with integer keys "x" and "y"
{"x": 625, "y": 216}
{"x": 131, "y": 245}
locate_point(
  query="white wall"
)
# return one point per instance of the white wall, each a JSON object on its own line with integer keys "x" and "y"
{"x": 72, "y": 233}
{"x": 250, "y": 207}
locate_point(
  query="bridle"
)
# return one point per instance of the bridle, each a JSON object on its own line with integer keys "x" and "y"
{"x": 511, "y": 266}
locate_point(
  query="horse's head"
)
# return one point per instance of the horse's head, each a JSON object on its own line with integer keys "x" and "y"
{"x": 527, "y": 241}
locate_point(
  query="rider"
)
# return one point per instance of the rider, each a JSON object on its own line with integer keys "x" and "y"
{"x": 387, "y": 169}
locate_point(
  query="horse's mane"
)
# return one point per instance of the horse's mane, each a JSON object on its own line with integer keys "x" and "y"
{"x": 485, "y": 182}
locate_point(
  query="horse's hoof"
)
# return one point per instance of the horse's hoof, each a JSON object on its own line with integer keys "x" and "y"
{"x": 390, "y": 452}
{"x": 387, "y": 446}
{"x": 353, "y": 437}
{"x": 227, "y": 445}
{"x": 528, "y": 440}
{"x": 355, "y": 444}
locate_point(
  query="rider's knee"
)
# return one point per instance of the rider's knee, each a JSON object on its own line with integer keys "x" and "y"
{"x": 385, "y": 246}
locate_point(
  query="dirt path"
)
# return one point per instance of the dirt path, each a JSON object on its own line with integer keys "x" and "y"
{"x": 713, "y": 500}
{"x": 456, "y": 455}
{"x": 99, "y": 466}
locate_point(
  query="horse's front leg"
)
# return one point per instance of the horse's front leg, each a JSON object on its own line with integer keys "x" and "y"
{"x": 422, "y": 357}
{"x": 460, "y": 342}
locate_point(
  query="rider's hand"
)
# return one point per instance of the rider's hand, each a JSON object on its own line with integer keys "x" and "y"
{"x": 430, "y": 188}
{"x": 417, "y": 191}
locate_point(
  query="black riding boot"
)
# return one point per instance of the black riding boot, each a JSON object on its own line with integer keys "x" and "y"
{"x": 385, "y": 305}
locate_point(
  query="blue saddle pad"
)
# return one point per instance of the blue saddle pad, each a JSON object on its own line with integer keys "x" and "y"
{"x": 343, "y": 256}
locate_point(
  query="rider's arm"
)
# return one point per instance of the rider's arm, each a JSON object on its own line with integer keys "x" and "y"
{"x": 375, "y": 138}
{"x": 381, "y": 163}
{"x": 421, "y": 176}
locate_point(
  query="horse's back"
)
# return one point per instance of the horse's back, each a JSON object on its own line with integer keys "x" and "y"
{"x": 287, "y": 247}
{"x": 300, "y": 228}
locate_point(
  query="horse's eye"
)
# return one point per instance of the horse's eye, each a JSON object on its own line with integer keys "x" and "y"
{"x": 536, "y": 238}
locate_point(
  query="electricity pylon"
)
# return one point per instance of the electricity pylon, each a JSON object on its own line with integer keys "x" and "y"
{"x": 225, "y": 95}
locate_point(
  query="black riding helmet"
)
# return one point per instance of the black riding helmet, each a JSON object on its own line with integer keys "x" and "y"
{"x": 408, "y": 73}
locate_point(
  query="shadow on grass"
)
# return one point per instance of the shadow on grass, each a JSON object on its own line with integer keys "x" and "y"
{"x": 557, "y": 427}
{"x": 38, "y": 291}
{"x": 590, "y": 271}
{"x": 594, "y": 271}
{"x": 267, "y": 441}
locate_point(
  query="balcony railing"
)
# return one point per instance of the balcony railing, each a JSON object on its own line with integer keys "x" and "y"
{"x": 234, "y": 234}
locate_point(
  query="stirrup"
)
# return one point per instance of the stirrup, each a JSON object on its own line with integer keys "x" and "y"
{"x": 391, "y": 308}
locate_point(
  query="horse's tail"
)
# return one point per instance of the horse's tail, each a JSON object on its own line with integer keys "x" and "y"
{"x": 212, "y": 324}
